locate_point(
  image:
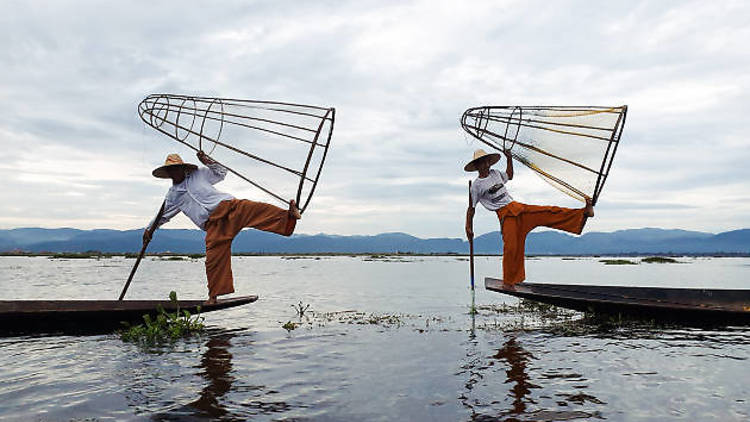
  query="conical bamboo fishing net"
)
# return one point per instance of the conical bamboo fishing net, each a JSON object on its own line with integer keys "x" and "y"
{"x": 572, "y": 148}
{"x": 280, "y": 148}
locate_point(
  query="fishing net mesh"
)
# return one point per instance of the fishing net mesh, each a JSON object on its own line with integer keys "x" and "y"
{"x": 277, "y": 147}
{"x": 572, "y": 148}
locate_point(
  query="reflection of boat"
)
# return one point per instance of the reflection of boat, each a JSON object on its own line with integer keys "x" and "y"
{"x": 27, "y": 316}
{"x": 702, "y": 306}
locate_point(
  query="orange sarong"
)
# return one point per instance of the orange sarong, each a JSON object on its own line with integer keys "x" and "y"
{"x": 518, "y": 219}
{"x": 225, "y": 222}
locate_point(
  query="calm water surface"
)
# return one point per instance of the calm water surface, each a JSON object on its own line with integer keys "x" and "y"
{"x": 382, "y": 340}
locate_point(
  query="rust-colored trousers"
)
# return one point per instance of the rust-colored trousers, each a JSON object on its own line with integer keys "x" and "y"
{"x": 517, "y": 220}
{"x": 225, "y": 223}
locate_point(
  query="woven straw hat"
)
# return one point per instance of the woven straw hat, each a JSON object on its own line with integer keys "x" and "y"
{"x": 171, "y": 161}
{"x": 479, "y": 154}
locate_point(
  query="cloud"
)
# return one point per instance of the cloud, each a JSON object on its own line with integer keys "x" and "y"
{"x": 400, "y": 74}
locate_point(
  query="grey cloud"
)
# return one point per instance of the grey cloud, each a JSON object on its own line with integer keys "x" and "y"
{"x": 400, "y": 75}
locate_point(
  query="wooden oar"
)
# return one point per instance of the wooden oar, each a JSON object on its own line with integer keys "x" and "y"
{"x": 143, "y": 249}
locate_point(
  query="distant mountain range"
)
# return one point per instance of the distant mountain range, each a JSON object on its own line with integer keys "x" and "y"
{"x": 635, "y": 241}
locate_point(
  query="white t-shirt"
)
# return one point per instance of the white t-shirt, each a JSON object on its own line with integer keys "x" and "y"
{"x": 491, "y": 191}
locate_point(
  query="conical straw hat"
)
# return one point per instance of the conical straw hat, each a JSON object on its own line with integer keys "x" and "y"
{"x": 478, "y": 154}
{"x": 171, "y": 161}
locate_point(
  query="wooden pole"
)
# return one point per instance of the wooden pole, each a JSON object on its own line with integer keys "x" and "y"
{"x": 473, "y": 310}
{"x": 143, "y": 249}
{"x": 471, "y": 249}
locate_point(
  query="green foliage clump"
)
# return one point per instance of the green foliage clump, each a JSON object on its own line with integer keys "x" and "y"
{"x": 166, "y": 327}
{"x": 618, "y": 262}
{"x": 289, "y": 326}
{"x": 80, "y": 255}
{"x": 659, "y": 260}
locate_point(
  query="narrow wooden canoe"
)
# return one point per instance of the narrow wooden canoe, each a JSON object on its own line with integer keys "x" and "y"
{"x": 92, "y": 316}
{"x": 689, "y": 306}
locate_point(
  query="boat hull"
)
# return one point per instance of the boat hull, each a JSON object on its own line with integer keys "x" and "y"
{"x": 681, "y": 305}
{"x": 92, "y": 316}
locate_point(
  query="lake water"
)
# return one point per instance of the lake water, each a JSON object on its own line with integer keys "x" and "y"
{"x": 383, "y": 339}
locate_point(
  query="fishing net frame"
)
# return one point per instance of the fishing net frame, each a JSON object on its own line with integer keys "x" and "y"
{"x": 485, "y": 123}
{"x": 183, "y": 118}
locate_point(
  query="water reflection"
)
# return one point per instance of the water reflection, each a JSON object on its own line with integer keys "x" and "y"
{"x": 517, "y": 359}
{"x": 491, "y": 396}
{"x": 217, "y": 365}
{"x": 481, "y": 396}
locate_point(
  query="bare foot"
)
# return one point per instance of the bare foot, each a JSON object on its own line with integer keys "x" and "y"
{"x": 589, "y": 208}
{"x": 509, "y": 286}
{"x": 294, "y": 211}
{"x": 211, "y": 301}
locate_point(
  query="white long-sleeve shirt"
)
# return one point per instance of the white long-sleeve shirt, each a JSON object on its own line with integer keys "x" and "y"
{"x": 196, "y": 196}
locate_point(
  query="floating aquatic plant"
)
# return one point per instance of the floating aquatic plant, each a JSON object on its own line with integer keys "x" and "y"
{"x": 80, "y": 255}
{"x": 290, "y": 326}
{"x": 618, "y": 262}
{"x": 301, "y": 308}
{"x": 659, "y": 260}
{"x": 166, "y": 327}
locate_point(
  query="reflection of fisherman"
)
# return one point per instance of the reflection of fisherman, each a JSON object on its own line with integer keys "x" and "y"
{"x": 219, "y": 214}
{"x": 516, "y": 219}
{"x": 217, "y": 363}
{"x": 518, "y": 359}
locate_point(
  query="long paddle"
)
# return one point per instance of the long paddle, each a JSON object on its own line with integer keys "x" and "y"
{"x": 143, "y": 249}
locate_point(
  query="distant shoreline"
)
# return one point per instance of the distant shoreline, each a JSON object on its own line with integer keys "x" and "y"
{"x": 646, "y": 241}
{"x": 96, "y": 254}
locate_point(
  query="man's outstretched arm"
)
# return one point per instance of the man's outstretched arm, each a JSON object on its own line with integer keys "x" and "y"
{"x": 166, "y": 212}
{"x": 215, "y": 172}
{"x": 509, "y": 164}
{"x": 205, "y": 159}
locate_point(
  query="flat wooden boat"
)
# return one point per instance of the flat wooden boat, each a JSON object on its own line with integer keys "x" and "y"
{"x": 688, "y": 306}
{"x": 92, "y": 316}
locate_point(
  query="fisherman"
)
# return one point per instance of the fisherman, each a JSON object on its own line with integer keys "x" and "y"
{"x": 221, "y": 215}
{"x": 516, "y": 219}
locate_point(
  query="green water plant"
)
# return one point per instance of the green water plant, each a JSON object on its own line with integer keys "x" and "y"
{"x": 80, "y": 255}
{"x": 301, "y": 308}
{"x": 290, "y": 326}
{"x": 165, "y": 327}
{"x": 618, "y": 262}
{"x": 659, "y": 260}
{"x": 609, "y": 325}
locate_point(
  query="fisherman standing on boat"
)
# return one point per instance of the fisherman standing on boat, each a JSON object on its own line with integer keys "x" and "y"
{"x": 221, "y": 215}
{"x": 516, "y": 219}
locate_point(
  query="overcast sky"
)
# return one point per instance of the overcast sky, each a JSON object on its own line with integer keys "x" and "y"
{"x": 400, "y": 74}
